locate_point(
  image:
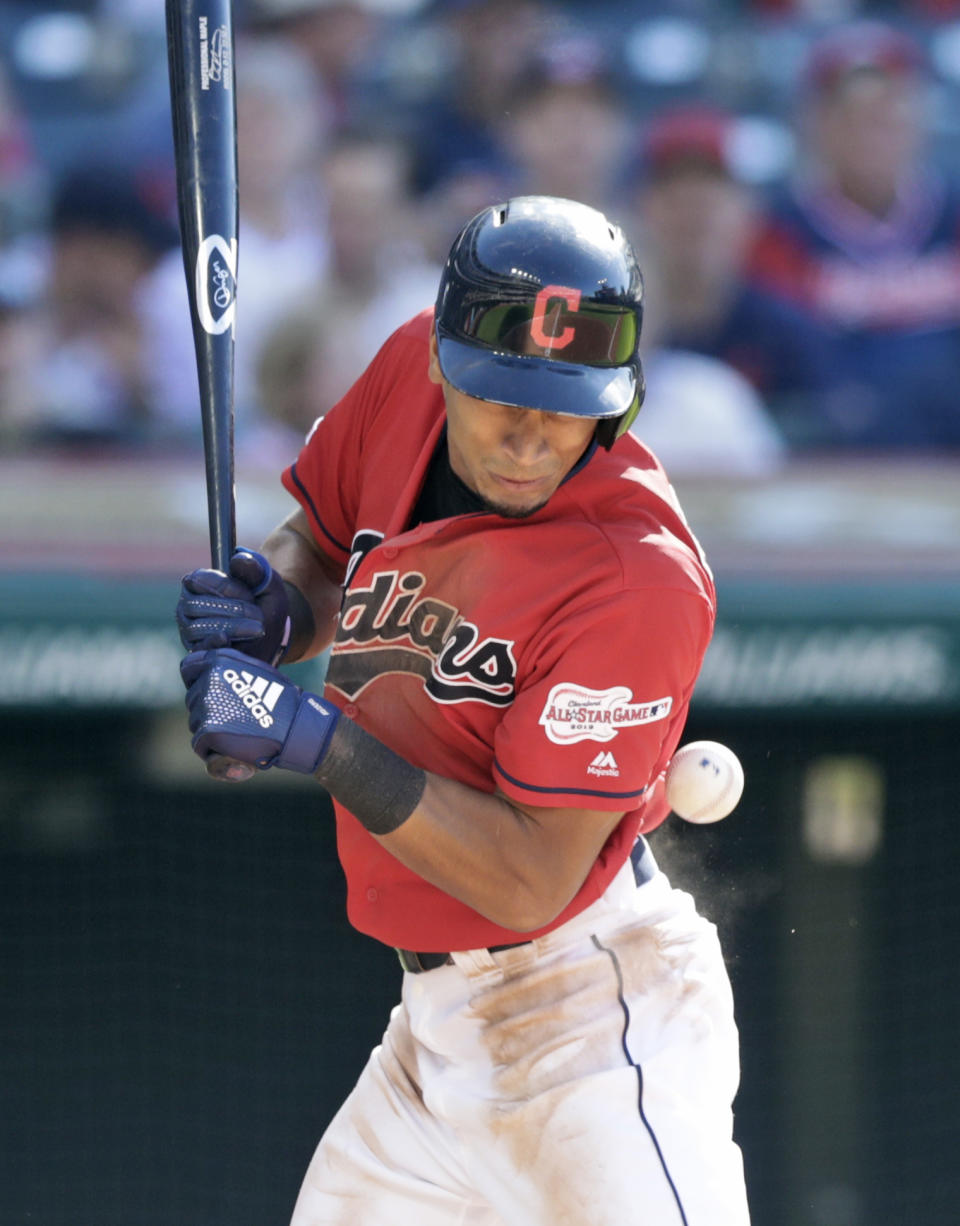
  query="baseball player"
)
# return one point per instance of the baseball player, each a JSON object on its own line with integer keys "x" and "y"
{"x": 518, "y": 613}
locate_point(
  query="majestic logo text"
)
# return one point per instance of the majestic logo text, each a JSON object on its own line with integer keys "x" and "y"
{"x": 604, "y": 764}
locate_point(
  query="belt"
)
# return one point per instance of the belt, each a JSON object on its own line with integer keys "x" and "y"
{"x": 644, "y": 867}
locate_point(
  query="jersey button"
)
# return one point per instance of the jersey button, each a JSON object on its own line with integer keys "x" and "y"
{"x": 372, "y": 895}
{"x": 390, "y": 552}
{"x": 350, "y": 710}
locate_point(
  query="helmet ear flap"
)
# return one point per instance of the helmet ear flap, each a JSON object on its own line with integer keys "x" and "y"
{"x": 611, "y": 428}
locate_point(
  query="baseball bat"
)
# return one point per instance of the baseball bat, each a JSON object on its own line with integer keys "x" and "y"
{"x": 203, "y": 105}
{"x": 200, "y": 47}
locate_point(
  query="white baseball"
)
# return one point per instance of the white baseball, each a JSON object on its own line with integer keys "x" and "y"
{"x": 704, "y": 782}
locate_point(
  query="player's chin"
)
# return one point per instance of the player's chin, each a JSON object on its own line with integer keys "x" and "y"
{"x": 509, "y": 510}
{"x": 517, "y": 503}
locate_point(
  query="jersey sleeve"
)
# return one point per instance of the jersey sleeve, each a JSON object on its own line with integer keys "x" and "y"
{"x": 326, "y": 476}
{"x": 604, "y": 703}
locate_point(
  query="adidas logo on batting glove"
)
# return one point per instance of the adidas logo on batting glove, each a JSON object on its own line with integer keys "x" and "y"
{"x": 246, "y": 710}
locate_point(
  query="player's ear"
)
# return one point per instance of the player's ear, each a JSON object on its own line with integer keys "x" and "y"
{"x": 434, "y": 373}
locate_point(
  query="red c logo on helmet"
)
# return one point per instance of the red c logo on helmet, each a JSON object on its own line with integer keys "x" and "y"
{"x": 551, "y": 293}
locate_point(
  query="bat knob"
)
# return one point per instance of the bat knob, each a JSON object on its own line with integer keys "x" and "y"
{"x": 229, "y": 770}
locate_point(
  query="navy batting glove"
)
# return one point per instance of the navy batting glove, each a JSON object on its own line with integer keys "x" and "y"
{"x": 243, "y": 709}
{"x": 245, "y": 609}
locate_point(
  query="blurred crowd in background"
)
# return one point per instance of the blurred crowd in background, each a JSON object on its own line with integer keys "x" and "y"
{"x": 788, "y": 171}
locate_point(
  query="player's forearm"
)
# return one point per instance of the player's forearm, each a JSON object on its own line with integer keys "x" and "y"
{"x": 475, "y": 846}
{"x": 313, "y": 590}
{"x": 486, "y": 853}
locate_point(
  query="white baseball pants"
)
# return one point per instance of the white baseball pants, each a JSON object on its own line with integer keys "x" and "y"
{"x": 585, "y": 1079}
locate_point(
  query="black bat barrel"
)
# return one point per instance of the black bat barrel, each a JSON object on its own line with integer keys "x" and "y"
{"x": 203, "y": 102}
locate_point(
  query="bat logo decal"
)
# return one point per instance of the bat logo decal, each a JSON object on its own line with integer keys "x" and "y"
{"x": 216, "y": 283}
{"x": 216, "y": 58}
{"x": 217, "y": 44}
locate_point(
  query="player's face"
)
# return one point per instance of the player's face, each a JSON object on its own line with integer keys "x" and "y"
{"x": 513, "y": 458}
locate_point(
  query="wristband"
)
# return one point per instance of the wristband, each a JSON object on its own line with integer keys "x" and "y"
{"x": 379, "y": 788}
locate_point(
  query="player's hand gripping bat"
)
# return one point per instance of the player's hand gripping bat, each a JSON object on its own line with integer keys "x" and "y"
{"x": 203, "y": 104}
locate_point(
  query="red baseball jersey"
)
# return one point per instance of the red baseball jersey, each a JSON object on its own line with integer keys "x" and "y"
{"x": 552, "y": 657}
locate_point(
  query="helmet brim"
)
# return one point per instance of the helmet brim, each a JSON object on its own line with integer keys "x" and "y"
{"x": 529, "y": 382}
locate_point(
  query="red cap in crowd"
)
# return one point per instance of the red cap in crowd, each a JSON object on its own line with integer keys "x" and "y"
{"x": 863, "y": 46}
{"x": 691, "y": 134}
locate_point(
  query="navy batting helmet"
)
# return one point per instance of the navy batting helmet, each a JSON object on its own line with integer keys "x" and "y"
{"x": 540, "y": 306}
